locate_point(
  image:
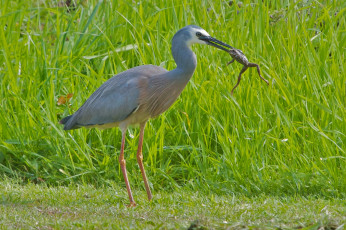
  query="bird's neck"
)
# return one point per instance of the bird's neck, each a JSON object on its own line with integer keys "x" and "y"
{"x": 185, "y": 59}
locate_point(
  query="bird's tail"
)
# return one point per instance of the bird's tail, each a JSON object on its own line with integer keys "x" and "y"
{"x": 69, "y": 123}
{"x": 64, "y": 120}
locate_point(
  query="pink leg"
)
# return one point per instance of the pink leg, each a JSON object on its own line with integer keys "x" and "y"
{"x": 140, "y": 160}
{"x": 123, "y": 169}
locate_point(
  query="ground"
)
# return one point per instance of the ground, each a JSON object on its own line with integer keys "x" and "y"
{"x": 85, "y": 207}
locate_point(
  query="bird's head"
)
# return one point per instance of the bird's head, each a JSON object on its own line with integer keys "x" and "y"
{"x": 193, "y": 34}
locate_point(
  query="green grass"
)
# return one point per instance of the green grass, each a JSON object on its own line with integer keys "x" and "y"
{"x": 285, "y": 140}
{"x": 86, "y": 207}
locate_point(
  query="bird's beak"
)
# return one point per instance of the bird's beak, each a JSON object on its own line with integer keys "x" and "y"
{"x": 216, "y": 43}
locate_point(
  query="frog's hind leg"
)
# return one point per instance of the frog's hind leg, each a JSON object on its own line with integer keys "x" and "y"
{"x": 258, "y": 71}
{"x": 239, "y": 78}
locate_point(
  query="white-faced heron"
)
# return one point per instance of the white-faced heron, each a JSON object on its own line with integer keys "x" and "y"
{"x": 140, "y": 93}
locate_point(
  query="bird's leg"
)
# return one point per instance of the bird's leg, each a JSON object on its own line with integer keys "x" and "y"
{"x": 258, "y": 71}
{"x": 239, "y": 78}
{"x": 123, "y": 169}
{"x": 231, "y": 61}
{"x": 140, "y": 160}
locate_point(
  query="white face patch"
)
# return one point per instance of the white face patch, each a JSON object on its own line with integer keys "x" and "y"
{"x": 194, "y": 39}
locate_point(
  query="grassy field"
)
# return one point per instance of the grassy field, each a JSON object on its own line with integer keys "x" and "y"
{"x": 85, "y": 207}
{"x": 283, "y": 143}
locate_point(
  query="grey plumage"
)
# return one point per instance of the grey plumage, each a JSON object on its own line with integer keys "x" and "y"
{"x": 141, "y": 93}
{"x": 115, "y": 100}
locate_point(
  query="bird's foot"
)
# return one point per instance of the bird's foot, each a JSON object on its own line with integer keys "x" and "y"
{"x": 131, "y": 205}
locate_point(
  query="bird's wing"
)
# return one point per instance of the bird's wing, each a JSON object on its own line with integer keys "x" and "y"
{"x": 113, "y": 101}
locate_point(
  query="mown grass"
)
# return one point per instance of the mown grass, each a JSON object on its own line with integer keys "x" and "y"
{"x": 86, "y": 207}
{"x": 287, "y": 139}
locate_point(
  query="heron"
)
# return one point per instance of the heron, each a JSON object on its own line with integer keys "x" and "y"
{"x": 138, "y": 94}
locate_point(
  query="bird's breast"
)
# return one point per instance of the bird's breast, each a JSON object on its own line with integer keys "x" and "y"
{"x": 159, "y": 94}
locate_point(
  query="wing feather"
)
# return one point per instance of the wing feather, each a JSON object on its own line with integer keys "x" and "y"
{"x": 113, "y": 101}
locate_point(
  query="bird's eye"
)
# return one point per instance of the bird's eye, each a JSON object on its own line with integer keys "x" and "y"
{"x": 198, "y": 34}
